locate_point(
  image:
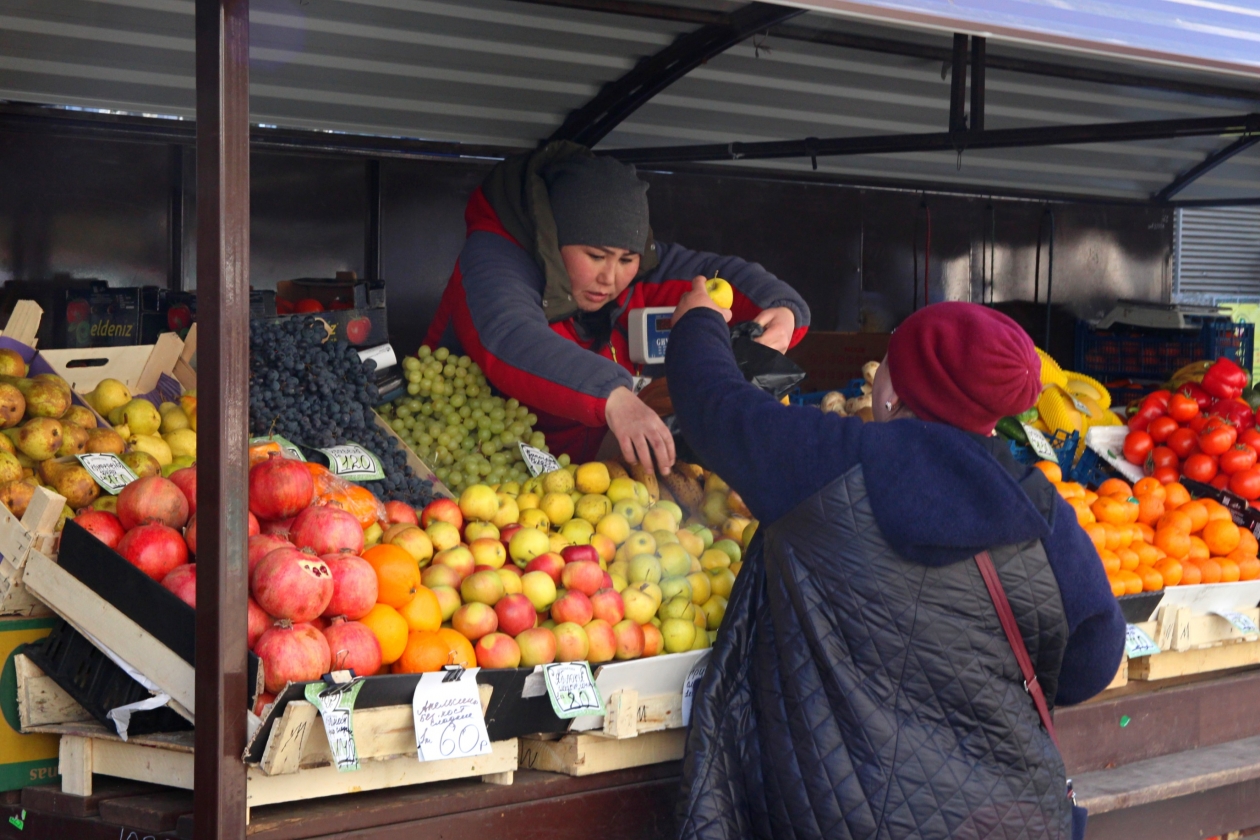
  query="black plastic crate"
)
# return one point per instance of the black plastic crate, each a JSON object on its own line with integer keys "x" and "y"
{"x": 1125, "y": 352}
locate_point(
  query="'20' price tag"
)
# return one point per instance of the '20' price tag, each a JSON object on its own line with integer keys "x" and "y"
{"x": 1039, "y": 444}
{"x": 353, "y": 463}
{"x": 446, "y": 708}
{"x": 107, "y": 470}
{"x": 571, "y": 687}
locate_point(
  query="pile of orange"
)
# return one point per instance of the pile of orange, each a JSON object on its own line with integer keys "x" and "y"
{"x": 407, "y": 618}
{"x": 1152, "y": 535}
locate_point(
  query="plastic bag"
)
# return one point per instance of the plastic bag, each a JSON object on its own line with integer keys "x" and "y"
{"x": 357, "y": 500}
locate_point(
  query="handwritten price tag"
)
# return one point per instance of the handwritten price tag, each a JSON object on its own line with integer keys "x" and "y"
{"x": 571, "y": 687}
{"x": 1137, "y": 643}
{"x": 108, "y": 470}
{"x": 689, "y": 690}
{"x": 537, "y": 461}
{"x": 1241, "y": 621}
{"x": 336, "y": 709}
{"x": 1039, "y": 444}
{"x": 353, "y": 463}
{"x": 287, "y": 447}
{"x": 446, "y": 708}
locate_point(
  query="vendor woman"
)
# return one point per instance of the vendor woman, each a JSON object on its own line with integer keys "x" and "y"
{"x": 558, "y": 252}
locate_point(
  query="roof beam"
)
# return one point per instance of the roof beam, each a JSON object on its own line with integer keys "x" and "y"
{"x": 619, "y": 99}
{"x": 1205, "y": 166}
{"x": 1006, "y": 138}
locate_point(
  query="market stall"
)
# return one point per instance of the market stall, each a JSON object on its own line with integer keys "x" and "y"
{"x": 375, "y": 513}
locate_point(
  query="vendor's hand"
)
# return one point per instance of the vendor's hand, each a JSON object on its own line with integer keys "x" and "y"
{"x": 779, "y": 323}
{"x": 698, "y": 298}
{"x": 639, "y": 431}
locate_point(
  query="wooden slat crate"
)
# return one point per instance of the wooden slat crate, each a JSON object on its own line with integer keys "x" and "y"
{"x": 19, "y": 538}
{"x": 1193, "y": 643}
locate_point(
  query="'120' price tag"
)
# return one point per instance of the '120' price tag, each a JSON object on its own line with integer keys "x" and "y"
{"x": 108, "y": 470}
{"x": 537, "y": 461}
{"x": 571, "y": 687}
{"x": 446, "y": 708}
{"x": 353, "y": 463}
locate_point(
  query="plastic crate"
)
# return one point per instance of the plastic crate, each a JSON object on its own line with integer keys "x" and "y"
{"x": 850, "y": 391}
{"x": 1124, "y": 352}
{"x": 1088, "y": 470}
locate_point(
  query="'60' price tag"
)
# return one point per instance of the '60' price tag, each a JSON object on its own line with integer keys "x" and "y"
{"x": 446, "y": 708}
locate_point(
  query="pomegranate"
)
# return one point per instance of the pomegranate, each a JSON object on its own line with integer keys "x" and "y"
{"x": 154, "y": 549}
{"x": 396, "y": 511}
{"x": 264, "y": 700}
{"x": 186, "y": 481}
{"x": 152, "y": 499}
{"x": 103, "y": 525}
{"x": 353, "y": 647}
{"x": 280, "y": 488}
{"x": 262, "y": 545}
{"x": 292, "y": 653}
{"x": 254, "y": 528}
{"x": 259, "y": 622}
{"x": 292, "y": 584}
{"x": 326, "y": 529}
{"x": 320, "y": 623}
{"x": 190, "y": 534}
{"x": 278, "y": 527}
{"x": 182, "y": 580}
{"x": 354, "y": 586}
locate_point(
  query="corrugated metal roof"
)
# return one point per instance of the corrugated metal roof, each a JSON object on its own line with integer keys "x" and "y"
{"x": 506, "y": 73}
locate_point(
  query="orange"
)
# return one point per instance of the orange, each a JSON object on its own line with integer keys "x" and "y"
{"x": 1199, "y": 549}
{"x": 1112, "y": 533}
{"x": 1221, "y": 537}
{"x": 1177, "y": 519}
{"x": 1111, "y": 563}
{"x": 423, "y": 611}
{"x": 1115, "y": 487}
{"x": 1148, "y": 555}
{"x": 1170, "y": 570}
{"x": 1150, "y": 487}
{"x": 1084, "y": 515}
{"x": 1230, "y": 573}
{"x": 1110, "y": 510}
{"x": 1247, "y": 542}
{"x": 1191, "y": 574}
{"x": 1129, "y": 559}
{"x": 1132, "y": 582}
{"x": 1097, "y": 535}
{"x": 461, "y": 649}
{"x": 397, "y": 575}
{"x": 1151, "y": 579}
{"x": 1117, "y": 586}
{"x": 1070, "y": 490}
{"x": 390, "y": 630}
{"x": 1146, "y": 532}
{"x": 1174, "y": 542}
{"x": 1198, "y": 513}
{"x": 1051, "y": 470}
{"x": 1248, "y": 568}
{"x": 1090, "y": 497}
{"x": 1211, "y": 571}
{"x": 1216, "y": 510}
{"x": 1176, "y": 495}
{"x": 426, "y": 651}
{"x": 1150, "y": 509}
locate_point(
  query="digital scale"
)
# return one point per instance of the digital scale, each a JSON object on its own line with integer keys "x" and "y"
{"x": 649, "y": 334}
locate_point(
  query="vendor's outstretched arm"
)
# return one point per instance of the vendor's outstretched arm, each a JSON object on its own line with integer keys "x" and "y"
{"x": 774, "y": 456}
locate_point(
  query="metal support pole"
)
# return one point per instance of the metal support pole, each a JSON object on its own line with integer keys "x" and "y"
{"x": 958, "y": 87}
{"x": 222, "y": 32}
{"x": 977, "y": 85}
{"x": 175, "y": 219}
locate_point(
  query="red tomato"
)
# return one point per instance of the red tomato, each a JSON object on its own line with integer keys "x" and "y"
{"x": 1161, "y": 456}
{"x": 1182, "y": 408}
{"x": 1184, "y": 442}
{"x": 1199, "y": 467}
{"x": 1148, "y": 412}
{"x": 308, "y": 305}
{"x": 1160, "y": 398}
{"x": 1216, "y": 440}
{"x": 1237, "y": 458}
{"x": 1166, "y": 475}
{"x": 1198, "y": 423}
{"x": 1161, "y": 427}
{"x": 1246, "y": 483}
{"x": 1251, "y": 437}
{"x": 1221, "y": 482}
{"x": 1137, "y": 446}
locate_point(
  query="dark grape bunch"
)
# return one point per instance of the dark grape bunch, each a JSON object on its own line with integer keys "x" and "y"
{"x": 319, "y": 393}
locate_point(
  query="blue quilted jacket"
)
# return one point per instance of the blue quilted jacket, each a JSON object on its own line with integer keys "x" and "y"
{"x": 861, "y": 685}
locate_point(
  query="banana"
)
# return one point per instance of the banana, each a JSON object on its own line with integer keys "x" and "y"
{"x": 647, "y": 478}
{"x": 686, "y": 491}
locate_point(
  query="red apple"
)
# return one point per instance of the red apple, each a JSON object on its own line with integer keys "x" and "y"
{"x": 571, "y": 642}
{"x": 444, "y": 510}
{"x": 607, "y": 604}
{"x": 653, "y": 641}
{"x": 573, "y": 607}
{"x": 458, "y": 558}
{"x": 601, "y": 640}
{"x": 516, "y": 614}
{"x": 630, "y": 639}
{"x": 575, "y": 553}
{"x": 506, "y": 532}
{"x": 551, "y": 563}
{"x": 497, "y": 650}
{"x": 584, "y": 576}
{"x": 537, "y": 646}
{"x": 475, "y": 620}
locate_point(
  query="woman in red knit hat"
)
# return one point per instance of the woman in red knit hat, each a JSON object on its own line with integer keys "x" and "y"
{"x": 864, "y": 683}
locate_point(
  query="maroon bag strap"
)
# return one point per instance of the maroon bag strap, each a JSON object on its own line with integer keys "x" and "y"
{"x": 1007, "y": 616}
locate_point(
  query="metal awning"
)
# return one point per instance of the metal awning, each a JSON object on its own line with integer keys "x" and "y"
{"x": 508, "y": 73}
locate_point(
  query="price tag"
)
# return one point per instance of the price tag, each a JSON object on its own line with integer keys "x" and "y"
{"x": 108, "y": 470}
{"x": 287, "y": 447}
{"x": 1137, "y": 643}
{"x": 1080, "y": 406}
{"x": 1241, "y": 621}
{"x": 446, "y": 708}
{"x": 689, "y": 690}
{"x": 537, "y": 461}
{"x": 571, "y": 687}
{"x": 1039, "y": 444}
{"x": 336, "y": 709}
{"x": 353, "y": 463}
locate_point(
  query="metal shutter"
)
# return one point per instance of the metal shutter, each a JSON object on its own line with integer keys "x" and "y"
{"x": 1216, "y": 253}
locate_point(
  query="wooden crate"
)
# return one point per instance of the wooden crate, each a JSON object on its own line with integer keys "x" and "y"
{"x": 1192, "y": 643}
{"x": 583, "y": 754}
{"x": 19, "y": 538}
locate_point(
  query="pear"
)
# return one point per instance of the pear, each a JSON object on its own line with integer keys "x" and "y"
{"x": 39, "y": 438}
{"x": 108, "y": 395}
{"x": 105, "y": 440}
{"x": 56, "y": 380}
{"x": 115, "y": 415}
{"x": 106, "y": 503}
{"x": 153, "y": 445}
{"x": 66, "y": 513}
{"x": 165, "y": 407}
{"x": 12, "y": 405}
{"x": 80, "y": 416}
{"x": 124, "y": 431}
{"x": 12, "y": 363}
{"x": 182, "y": 442}
{"x": 76, "y": 484}
{"x": 43, "y": 398}
{"x": 73, "y": 440}
{"x": 10, "y": 469}
{"x": 16, "y": 495}
{"x": 173, "y": 419}
{"x": 177, "y": 464}
{"x": 6, "y": 442}
{"x": 142, "y": 463}
{"x": 46, "y": 471}
{"x": 142, "y": 417}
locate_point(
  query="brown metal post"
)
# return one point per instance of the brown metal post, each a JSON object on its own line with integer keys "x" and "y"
{"x": 223, "y": 394}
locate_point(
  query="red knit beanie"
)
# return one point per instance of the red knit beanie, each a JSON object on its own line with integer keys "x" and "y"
{"x": 963, "y": 364}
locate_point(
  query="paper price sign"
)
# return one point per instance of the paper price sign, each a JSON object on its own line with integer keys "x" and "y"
{"x": 689, "y": 690}
{"x": 1137, "y": 643}
{"x": 287, "y": 447}
{"x": 571, "y": 687}
{"x": 446, "y": 708}
{"x": 336, "y": 709}
{"x": 108, "y": 470}
{"x": 1241, "y": 621}
{"x": 537, "y": 461}
{"x": 1039, "y": 444}
{"x": 353, "y": 463}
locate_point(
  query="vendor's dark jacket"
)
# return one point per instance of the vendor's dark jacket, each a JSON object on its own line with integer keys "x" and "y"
{"x": 509, "y": 305}
{"x": 861, "y": 685}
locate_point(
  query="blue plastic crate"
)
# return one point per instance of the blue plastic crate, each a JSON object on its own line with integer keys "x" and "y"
{"x": 850, "y": 391}
{"x": 1089, "y": 470}
{"x": 1125, "y": 352}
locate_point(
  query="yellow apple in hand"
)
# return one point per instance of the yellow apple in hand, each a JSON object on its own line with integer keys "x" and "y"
{"x": 721, "y": 292}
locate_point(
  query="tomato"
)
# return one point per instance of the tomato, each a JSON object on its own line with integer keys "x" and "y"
{"x": 1161, "y": 427}
{"x": 1251, "y": 437}
{"x": 1237, "y": 458}
{"x": 1216, "y": 440}
{"x": 1198, "y": 423}
{"x": 1145, "y": 414}
{"x": 1160, "y": 398}
{"x": 1137, "y": 446}
{"x": 1182, "y": 408}
{"x": 1166, "y": 475}
{"x": 1184, "y": 442}
{"x": 1246, "y": 483}
{"x": 1221, "y": 482}
{"x": 1199, "y": 467}
{"x": 1162, "y": 456}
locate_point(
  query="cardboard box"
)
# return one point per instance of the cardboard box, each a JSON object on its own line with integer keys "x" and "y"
{"x": 833, "y": 359}
{"x": 116, "y": 317}
{"x": 50, "y": 294}
{"x": 24, "y": 759}
{"x": 353, "y": 309}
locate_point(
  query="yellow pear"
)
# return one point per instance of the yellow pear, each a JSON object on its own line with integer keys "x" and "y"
{"x": 153, "y": 445}
{"x": 108, "y": 395}
{"x": 174, "y": 419}
{"x": 142, "y": 417}
{"x": 182, "y": 442}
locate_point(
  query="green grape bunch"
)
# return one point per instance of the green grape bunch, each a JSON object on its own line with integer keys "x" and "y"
{"x": 452, "y": 419}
